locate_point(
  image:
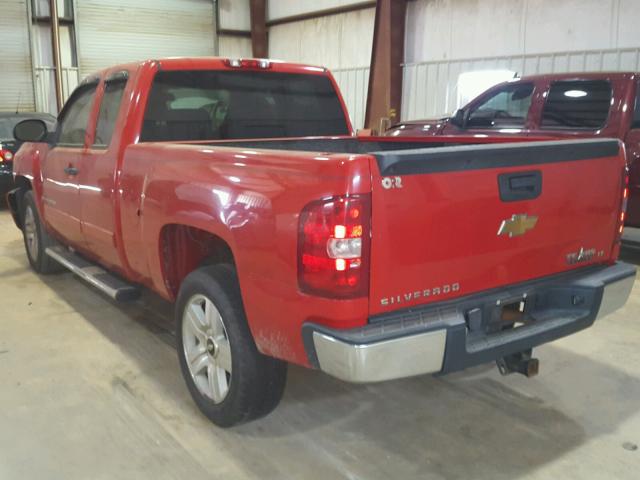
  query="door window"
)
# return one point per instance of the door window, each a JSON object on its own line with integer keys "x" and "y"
{"x": 109, "y": 108}
{"x": 75, "y": 116}
{"x": 508, "y": 107}
{"x": 577, "y": 104}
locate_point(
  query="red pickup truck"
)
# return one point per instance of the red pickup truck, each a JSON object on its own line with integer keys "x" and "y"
{"x": 564, "y": 105}
{"x": 238, "y": 190}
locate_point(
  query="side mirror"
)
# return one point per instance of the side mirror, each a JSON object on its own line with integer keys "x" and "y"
{"x": 459, "y": 118}
{"x": 31, "y": 130}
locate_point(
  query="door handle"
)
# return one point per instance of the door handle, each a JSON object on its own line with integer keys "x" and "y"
{"x": 520, "y": 186}
{"x": 71, "y": 170}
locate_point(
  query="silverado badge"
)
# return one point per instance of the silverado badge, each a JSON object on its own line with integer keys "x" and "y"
{"x": 517, "y": 225}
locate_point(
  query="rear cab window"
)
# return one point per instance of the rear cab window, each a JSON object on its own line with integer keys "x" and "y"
{"x": 577, "y": 104}
{"x": 507, "y": 107}
{"x": 219, "y": 105}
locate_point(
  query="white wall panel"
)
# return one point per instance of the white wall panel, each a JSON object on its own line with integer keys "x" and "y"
{"x": 234, "y": 47}
{"x": 353, "y": 83}
{"x": 452, "y": 29}
{"x": 16, "y": 80}
{"x": 234, "y": 15}
{"x": 335, "y": 41}
{"x": 277, "y": 9}
{"x": 447, "y": 37}
{"x": 430, "y": 88}
{"x": 117, "y": 31}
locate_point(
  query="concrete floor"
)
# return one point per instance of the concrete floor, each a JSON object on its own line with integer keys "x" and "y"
{"x": 92, "y": 390}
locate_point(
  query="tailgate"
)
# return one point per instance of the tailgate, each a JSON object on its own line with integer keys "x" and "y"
{"x": 453, "y": 221}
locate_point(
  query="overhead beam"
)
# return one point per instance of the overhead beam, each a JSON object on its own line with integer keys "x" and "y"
{"x": 384, "y": 95}
{"x": 234, "y": 33}
{"x": 259, "y": 36}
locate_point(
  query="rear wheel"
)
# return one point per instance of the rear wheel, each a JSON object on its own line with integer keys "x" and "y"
{"x": 36, "y": 238}
{"x": 229, "y": 380}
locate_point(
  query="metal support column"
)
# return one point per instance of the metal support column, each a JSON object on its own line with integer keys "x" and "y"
{"x": 259, "y": 36}
{"x": 384, "y": 96}
{"x": 57, "y": 59}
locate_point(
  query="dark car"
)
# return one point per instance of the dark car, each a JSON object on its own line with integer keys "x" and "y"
{"x": 9, "y": 145}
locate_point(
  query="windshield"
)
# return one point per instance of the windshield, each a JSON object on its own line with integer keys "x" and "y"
{"x": 212, "y": 105}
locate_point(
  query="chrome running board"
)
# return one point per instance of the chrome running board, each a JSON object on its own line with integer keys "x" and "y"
{"x": 104, "y": 281}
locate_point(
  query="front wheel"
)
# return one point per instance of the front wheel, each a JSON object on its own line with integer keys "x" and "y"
{"x": 36, "y": 238}
{"x": 229, "y": 380}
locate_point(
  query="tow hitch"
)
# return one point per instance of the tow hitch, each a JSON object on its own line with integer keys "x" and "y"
{"x": 520, "y": 362}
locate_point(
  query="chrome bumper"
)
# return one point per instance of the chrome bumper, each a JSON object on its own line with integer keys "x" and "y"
{"x": 439, "y": 339}
{"x": 386, "y": 360}
{"x": 615, "y": 295}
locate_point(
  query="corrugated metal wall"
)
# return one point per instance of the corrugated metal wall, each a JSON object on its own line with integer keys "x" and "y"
{"x": 16, "y": 79}
{"x": 353, "y": 83}
{"x": 430, "y": 88}
{"x": 117, "y": 31}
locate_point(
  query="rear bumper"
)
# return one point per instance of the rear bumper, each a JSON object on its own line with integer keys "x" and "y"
{"x": 452, "y": 336}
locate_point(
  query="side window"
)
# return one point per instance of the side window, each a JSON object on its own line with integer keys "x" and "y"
{"x": 109, "y": 108}
{"x": 73, "y": 124}
{"x": 578, "y": 104}
{"x": 636, "y": 111}
{"x": 508, "y": 107}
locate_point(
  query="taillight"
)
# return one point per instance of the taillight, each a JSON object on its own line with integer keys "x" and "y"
{"x": 625, "y": 199}
{"x": 249, "y": 63}
{"x": 6, "y": 155}
{"x": 622, "y": 215}
{"x": 334, "y": 240}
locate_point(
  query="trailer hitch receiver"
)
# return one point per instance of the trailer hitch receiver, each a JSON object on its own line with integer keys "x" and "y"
{"x": 520, "y": 362}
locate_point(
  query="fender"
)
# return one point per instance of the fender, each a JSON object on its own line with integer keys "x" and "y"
{"x": 27, "y": 164}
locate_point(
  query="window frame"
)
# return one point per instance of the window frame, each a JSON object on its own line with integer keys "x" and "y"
{"x": 635, "y": 119}
{"x": 491, "y": 94}
{"x": 91, "y": 83}
{"x": 570, "y": 128}
{"x": 118, "y": 77}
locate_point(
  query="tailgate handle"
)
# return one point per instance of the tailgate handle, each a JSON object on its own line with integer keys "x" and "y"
{"x": 520, "y": 185}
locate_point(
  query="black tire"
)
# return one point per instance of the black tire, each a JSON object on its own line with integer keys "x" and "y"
{"x": 256, "y": 382}
{"x": 34, "y": 231}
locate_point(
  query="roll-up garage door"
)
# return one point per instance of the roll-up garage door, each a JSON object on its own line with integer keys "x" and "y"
{"x": 121, "y": 31}
{"x": 16, "y": 84}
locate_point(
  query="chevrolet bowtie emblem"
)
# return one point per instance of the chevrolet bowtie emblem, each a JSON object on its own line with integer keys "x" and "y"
{"x": 517, "y": 225}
